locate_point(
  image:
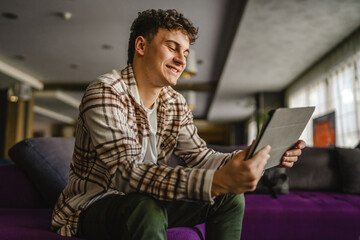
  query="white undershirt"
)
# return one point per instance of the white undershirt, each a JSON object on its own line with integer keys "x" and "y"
{"x": 150, "y": 149}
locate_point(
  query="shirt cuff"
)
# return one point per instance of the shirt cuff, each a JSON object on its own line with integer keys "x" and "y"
{"x": 209, "y": 179}
{"x": 199, "y": 185}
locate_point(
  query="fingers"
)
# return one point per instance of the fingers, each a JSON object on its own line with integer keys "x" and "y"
{"x": 300, "y": 144}
{"x": 287, "y": 164}
{"x": 291, "y": 156}
{"x": 290, "y": 159}
{"x": 262, "y": 154}
{"x": 242, "y": 154}
{"x": 292, "y": 153}
{"x": 296, "y": 151}
{"x": 265, "y": 151}
{"x": 246, "y": 150}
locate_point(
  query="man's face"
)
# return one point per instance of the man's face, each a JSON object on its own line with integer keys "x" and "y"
{"x": 165, "y": 57}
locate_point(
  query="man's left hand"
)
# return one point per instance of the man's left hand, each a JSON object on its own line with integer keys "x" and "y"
{"x": 291, "y": 156}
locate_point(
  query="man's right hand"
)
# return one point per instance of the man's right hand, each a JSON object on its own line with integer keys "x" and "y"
{"x": 240, "y": 175}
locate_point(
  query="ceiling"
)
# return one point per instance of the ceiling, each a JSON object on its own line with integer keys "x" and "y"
{"x": 243, "y": 47}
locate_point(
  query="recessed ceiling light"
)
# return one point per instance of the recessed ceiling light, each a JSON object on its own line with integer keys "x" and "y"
{"x": 9, "y": 15}
{"x": 106, "y": 46}
{"x": 74, "y": 66}
{"x": 67, "y": 15}
{"x": 20, "y": 57}
{"x": 64, "y": 15}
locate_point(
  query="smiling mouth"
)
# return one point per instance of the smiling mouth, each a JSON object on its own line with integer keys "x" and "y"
{"x": 173, "y": 69}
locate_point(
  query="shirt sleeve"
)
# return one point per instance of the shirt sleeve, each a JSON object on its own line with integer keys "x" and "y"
{"x": 104, "y": 114}
{"x": 192, "y": 150}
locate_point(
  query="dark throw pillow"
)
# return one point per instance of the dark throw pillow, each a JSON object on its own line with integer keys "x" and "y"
{"x": 273, "y": 182}
{"x": 46, "y": 162}
{"x": 349, "y": 162}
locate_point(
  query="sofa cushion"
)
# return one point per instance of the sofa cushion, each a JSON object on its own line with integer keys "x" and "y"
{"x": 316, "y": 170}
{"x": 19, "y": 233}
{"x": 25, "y": 217}
{"x": 18, "y": 224}
{"x": 46, "y": 161}
{"x": 349, "y": 162}
{"x": 302, "y": 215}
{"x": 16, "y": 189}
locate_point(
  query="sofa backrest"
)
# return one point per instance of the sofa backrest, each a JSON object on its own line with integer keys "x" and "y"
{"x": 316, "y": 170}
{"x": 46, "y": 162}
{"x": 349, "y": 162}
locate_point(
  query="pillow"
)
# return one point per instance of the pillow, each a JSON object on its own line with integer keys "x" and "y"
{"x": 273, "y": 182}
{"x": 316, "y": 170}
{"x": 349, "y": 161}
{"x": 46, "y": 162}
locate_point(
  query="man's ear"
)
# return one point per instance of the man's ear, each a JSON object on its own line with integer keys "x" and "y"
{"x": 140, "y": 45}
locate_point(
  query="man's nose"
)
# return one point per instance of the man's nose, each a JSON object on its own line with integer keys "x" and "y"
{"x": 180, "y": 59}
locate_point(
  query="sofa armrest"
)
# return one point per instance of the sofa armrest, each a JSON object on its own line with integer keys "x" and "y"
{"x": 16, "y": 190}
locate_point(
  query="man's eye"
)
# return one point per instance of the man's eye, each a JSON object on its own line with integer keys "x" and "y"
{"x": 171, "y": 48}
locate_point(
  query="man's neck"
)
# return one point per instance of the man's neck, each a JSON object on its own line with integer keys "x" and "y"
{"x": 148, "y": 93}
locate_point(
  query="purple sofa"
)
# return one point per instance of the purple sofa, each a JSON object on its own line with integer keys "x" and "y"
{"x": 319, "y": 199}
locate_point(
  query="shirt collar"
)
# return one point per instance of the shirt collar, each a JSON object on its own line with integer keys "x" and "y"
{"x": 167, "y": 94}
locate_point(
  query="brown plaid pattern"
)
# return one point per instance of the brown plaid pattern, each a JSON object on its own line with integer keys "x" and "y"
{"x": 112, "y": 127}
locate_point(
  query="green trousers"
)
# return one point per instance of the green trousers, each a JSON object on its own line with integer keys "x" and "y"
{"x": 138, "y": 216}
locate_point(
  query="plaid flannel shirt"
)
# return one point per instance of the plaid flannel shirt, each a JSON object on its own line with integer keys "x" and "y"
{"x": 112, "y": 128}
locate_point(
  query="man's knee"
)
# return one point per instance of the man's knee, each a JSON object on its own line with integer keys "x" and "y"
{"x": 149, "y": 212}
{"x": 232, "y": 202}
{"x": 237, "y": 200}
{"x": 148, "y": 207}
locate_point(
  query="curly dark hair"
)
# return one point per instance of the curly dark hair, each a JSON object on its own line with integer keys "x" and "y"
{"x": 148, "y": 23}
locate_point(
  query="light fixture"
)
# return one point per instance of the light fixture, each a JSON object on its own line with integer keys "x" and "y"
{"x": 106, "y": 46}
{"x": 12, "y": 93}
{"x": 20, "y": 76}
{"x": 74, "y": 66}
{"x": 20, "y": 57}
{"x": 191, "y": 65}
{"x": 64, "y": 15}
{"x": 19, "y": 91}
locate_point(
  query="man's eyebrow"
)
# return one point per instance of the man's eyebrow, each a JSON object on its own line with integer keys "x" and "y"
{"x": 177, "y": 44}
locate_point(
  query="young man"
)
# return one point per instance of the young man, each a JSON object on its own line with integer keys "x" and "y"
{"x": 131, "y": 123}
